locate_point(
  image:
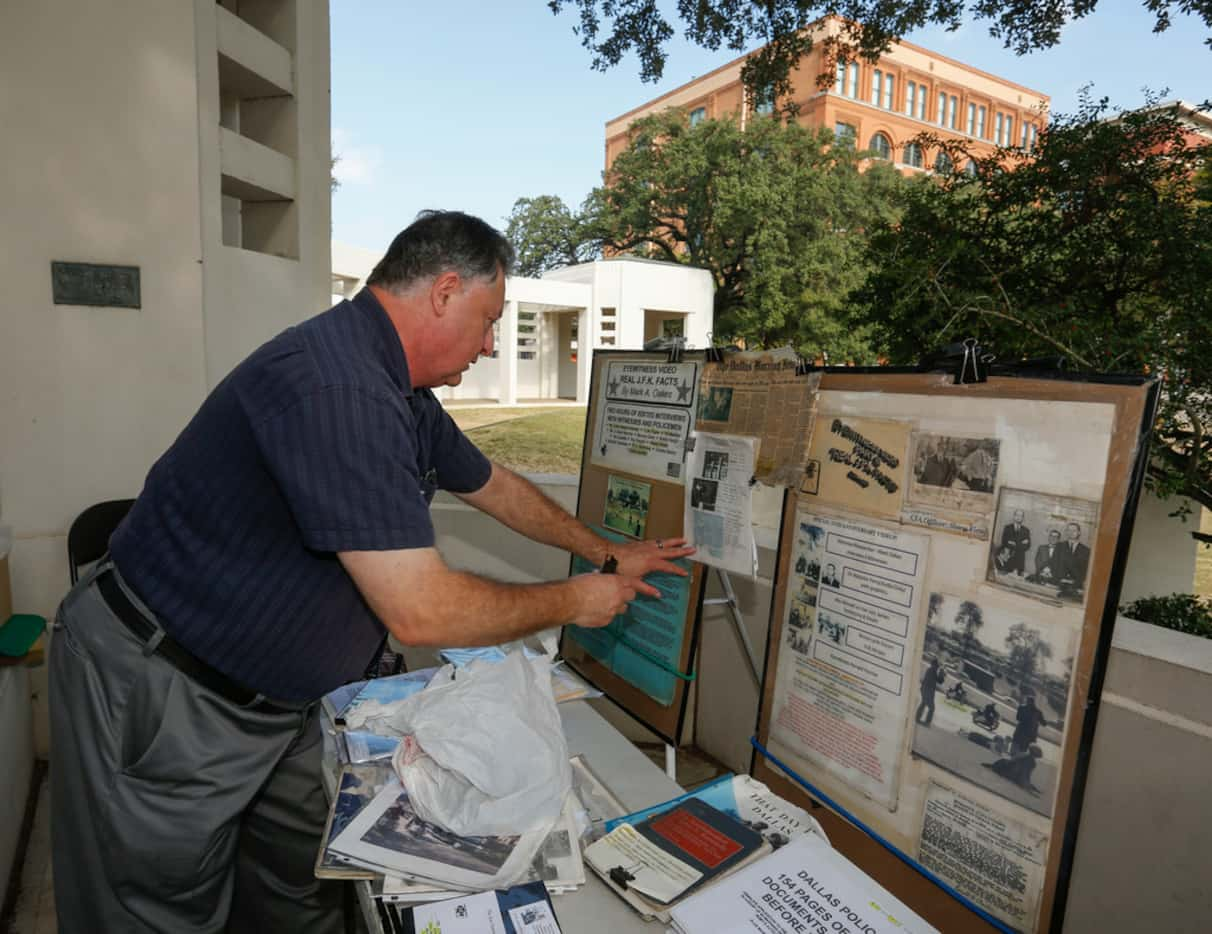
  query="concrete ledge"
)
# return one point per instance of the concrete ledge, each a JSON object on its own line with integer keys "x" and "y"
{"x": 1176, "y": 648}
{"x": 253, "y": 172}
{"x": 264, "y": 67}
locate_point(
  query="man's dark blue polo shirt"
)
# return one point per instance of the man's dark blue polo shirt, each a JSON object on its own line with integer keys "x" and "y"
{"x": 315, "y": 444}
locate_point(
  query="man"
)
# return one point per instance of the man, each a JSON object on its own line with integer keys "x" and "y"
{"x": 1017, "y": 538}
{"x": 932, "y": 677}
{"x": 1075, "y": 560}
{"x": 274, "y": 545}
{"x": 1048, "y": 561}
{"x": 830, "y": 578}
{"x": 1027, "y": 721}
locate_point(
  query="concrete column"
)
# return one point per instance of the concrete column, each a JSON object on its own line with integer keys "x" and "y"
{"x": 584, "y": 353}
{"x": 508, "y": 355}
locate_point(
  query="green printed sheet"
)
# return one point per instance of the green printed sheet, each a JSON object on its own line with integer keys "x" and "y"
{"x": 644, "y": 645}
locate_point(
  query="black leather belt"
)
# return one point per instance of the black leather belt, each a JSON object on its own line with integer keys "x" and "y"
{"x": 175, "y": 654}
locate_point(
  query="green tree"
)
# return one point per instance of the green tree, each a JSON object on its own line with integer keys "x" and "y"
{"x": 1026, "y": 649}
{"x": 776, "y": 212}
{"x": 609, "y": 29}
{"x": 969, "y": 618}
{"x": 547, "y": 235}
{"x": 1093, "y": 247}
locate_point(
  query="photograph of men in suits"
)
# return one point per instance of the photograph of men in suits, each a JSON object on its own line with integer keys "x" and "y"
{"x": 830, "y": 578}
{"x": 1016, "y": 537}
{"x": 1075, "y": 560}
{"x": 1048, "y": 560}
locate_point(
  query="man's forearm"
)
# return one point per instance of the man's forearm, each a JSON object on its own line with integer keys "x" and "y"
{"x": 465, "y": 609}
{"x": 519, "y": 504}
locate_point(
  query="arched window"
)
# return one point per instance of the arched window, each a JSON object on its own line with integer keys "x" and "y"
{"x": 943, "y": 164}
{"x": 913, "y": 155}
{"x": 970, "y": 168}
{"x": 880, "y": 147}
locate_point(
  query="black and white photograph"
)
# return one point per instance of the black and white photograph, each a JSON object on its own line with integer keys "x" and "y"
{"x": 715, "y": 465}
{"x": 829, "y": 627}
{"x": 1041, "y": 545}
{"x": 829, "y": 577}
{"x": 703, "y": 494}
{"x": 716, "y": 405}
{"x": 991, "y": 697}
{"x": 400, "y": 830}
{"x": 953, "y": 473}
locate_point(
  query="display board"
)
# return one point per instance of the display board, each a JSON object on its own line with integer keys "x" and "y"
{"x": 946, "y": 585}
{"x": 641, "y": 413}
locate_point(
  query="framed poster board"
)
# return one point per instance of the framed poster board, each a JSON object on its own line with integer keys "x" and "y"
{"x": 945, "y": 591}
{"x": 641, "y": 412}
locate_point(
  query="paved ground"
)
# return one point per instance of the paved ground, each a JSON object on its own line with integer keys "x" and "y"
{"x": 946, "y": 743}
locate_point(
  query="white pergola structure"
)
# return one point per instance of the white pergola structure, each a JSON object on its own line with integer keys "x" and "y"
{"x": 550, "y": 326}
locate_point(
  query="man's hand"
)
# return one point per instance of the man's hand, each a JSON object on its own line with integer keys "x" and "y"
{"x": 638, "y": 559}
{"x": 602, "y": 597}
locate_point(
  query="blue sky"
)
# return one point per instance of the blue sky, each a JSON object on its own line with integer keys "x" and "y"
{"x": 471, "y": 104}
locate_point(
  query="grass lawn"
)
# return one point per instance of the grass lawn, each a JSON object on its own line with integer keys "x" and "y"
{"x": 528, "y": 440}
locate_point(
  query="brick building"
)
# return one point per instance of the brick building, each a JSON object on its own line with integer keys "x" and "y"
{"x": 880, "y": 105}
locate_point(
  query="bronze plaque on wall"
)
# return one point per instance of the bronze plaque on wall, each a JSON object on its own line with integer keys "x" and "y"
{"x": 91, "y": 284}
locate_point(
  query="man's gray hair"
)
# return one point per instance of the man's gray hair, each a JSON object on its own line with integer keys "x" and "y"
{"x": 443, "y": 241}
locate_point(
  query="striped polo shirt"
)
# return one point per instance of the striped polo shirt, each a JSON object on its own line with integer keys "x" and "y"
{"x": 317, "y": 443}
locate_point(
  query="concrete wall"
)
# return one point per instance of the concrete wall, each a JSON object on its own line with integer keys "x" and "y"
{"x": 111, "y": 155}
{"x": 1162, "y": 557}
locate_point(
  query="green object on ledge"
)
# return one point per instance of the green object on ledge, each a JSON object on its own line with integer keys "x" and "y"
{"x": 19, "y": 634}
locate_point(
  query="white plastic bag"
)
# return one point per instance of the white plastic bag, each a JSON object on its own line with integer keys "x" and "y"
{"x": 484, "y": 751}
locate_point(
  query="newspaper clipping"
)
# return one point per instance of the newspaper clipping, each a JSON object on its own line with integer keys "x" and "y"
{"x": 842, "y": 694}
{"x": 993, "y": 860}
{"x": 1042, "y": 545}
{"x": 859, "y": 464}
{"x": 951, "y": 482}
{"x": 645, "y": 417}
{"x": 719, "y": 502}
{"x": 764, "y": 395}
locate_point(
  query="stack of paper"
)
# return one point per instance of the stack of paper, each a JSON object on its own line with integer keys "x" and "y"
{"x": 523, "y": 909}
{"x": 805, "y": 886}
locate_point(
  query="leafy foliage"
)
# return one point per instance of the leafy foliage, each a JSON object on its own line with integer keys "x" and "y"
{"x": 1093, "y": 247}
{"x": 775, "y": 211}
{"x": 546, "y": 235}
{"x": 1027, "y": 649}
{"x": 1183, "y": 612}
{"x": 610, "y": 29}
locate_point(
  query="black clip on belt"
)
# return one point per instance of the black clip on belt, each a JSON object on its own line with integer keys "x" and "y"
{"x": 172, "y": 652}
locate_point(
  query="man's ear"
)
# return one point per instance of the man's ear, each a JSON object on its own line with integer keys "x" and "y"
{"x": 445, "y": 286}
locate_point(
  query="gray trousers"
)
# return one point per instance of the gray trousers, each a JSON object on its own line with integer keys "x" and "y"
{"x": 172, "y": 808}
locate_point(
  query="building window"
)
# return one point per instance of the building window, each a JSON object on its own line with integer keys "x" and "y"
{"x": 921, "y": 102}
{"x": 698, "y": 115}
{"x": 839, "y": 86}
{"x": 971, "y": 119}
{"x": 981, "y": 112}
{"x": 970, "y": 168}
{"x": 854, "y": 75}
{"x": 889, "y": 91}
{"x": 910, "y": 98}
{"x": 1034, "y": 132}
{"x": 881, "y": 147}
{"x": 845, "y": 134}
{"x": 953, "y": 112}
{"x": 999, "y": 124}
{"x": 763, "y": 102}
{"x": 943, "y": 164}
{"x": 942, "y": 109}
{"x": 877, "y": 83}
{"x": 913, "y": 155}
{"x": 1023, "y": 141}
{"x": 1009, "y": 134}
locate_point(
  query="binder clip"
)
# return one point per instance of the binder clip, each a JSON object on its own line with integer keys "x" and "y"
{"x": 676, "y": 346}
{"x": 973, "y": 366}
{"x": 802, "y": 366}
{"x": 713, "y": 353}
